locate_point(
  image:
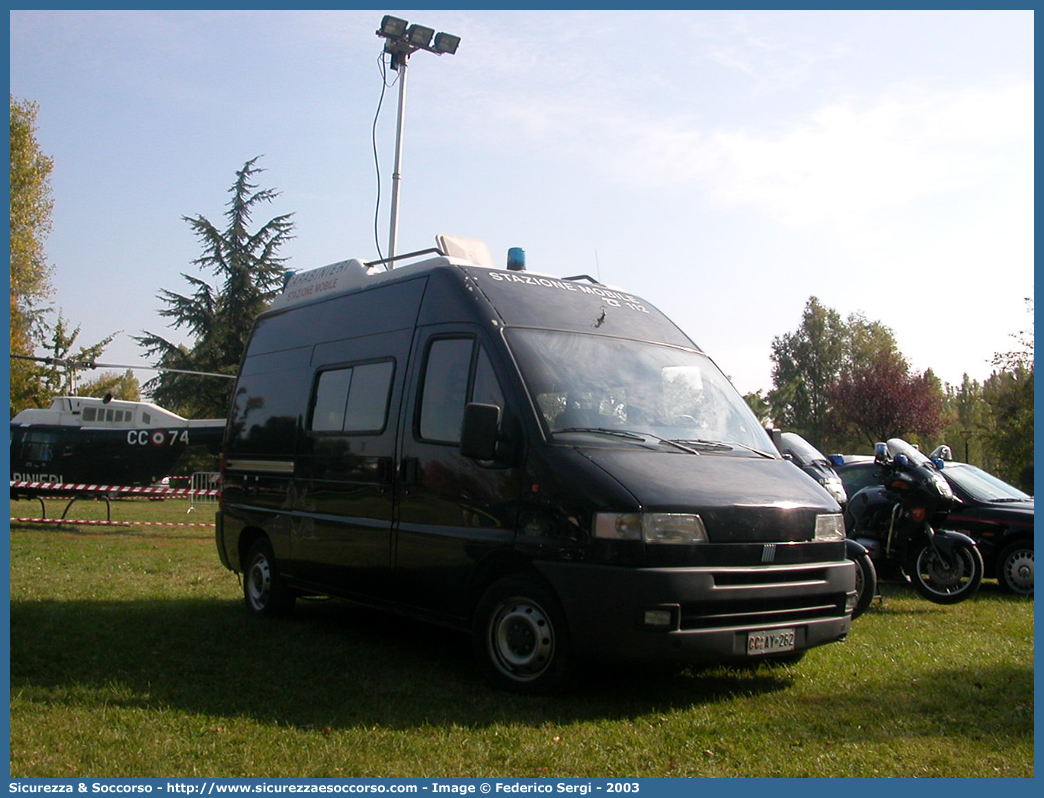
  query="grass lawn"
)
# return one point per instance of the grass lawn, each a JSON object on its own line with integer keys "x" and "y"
{"x": 132, "y": 656}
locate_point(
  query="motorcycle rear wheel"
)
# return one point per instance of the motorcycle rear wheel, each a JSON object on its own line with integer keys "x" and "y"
{"x": 945, "y": 580}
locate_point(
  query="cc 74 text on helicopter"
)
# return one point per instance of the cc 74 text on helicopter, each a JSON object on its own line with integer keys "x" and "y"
{"x": 90, "y": 441}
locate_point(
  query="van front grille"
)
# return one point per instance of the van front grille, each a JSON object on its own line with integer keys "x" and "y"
{"x": 763, "y": 576}
{"x": 761, "y": 611}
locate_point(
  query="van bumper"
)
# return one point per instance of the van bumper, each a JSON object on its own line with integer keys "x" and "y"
{"x": 701, "y": 613}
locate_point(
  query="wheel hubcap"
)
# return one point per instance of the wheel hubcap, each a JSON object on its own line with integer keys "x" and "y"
{"x": 1018, "y": 571}
{"x": 259, "y": 582}
{"x": 521, "y": 639}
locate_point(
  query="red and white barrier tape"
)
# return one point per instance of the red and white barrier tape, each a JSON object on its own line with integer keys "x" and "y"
{"x": 100, "y": 523}
{"x": 84, "y": 488}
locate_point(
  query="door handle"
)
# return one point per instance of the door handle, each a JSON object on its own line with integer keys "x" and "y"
{"x": 408, "y": 469}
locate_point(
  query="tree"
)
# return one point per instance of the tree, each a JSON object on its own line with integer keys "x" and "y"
{"x": 49, "y": 380}
{"x": 806, "y": 363}
{"x": 966, "y": 420}
{"x": 1009, "y": 393}
{"x": 123, "y": 386}
{"x": 31, "y": 206}
{"x": 879, "y": 399}
{"x": 1023, "y": 356}
{"x": 825, "y": 353}
{"x": 866, "y": 339}
{"x": 249, "y": 273}
{"x": 1009, "y": 438}
{"x": 760, "y": 405}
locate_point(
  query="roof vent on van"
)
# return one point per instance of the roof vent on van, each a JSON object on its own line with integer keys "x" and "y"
{"x": 468, "y": 249}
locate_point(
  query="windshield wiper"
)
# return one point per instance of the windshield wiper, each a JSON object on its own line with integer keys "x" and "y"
{"x": 633, "y": 436}
{"x": 723, "y": 446}
{"x": 620, "y": 433}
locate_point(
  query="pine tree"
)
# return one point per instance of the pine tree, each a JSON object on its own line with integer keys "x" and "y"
{"x": 248, "y": 272}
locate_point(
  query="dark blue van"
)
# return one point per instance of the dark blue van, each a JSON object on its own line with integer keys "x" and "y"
{"x": 548, "y": 462}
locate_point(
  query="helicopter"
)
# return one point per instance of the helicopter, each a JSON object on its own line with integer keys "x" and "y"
{"x": 87, "y": 440}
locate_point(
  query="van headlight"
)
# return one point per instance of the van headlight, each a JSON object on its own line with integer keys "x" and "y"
{"x": 830, "y": 526}
{"x": 650, "y": 527}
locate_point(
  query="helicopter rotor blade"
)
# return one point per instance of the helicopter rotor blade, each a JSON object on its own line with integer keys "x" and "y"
{"x": 93, "y": 364}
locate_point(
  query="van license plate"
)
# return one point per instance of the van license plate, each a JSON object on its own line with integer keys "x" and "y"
{"x": 770, "y": 642}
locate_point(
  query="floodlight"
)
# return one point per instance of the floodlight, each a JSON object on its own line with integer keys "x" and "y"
{"x": 392, "y": 27}
{"x": 419, "y": 36}
{"x": 446, "y": 43}
{"x": 403, "y": 40}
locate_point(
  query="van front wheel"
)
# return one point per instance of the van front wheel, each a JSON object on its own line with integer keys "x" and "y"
{"x": 520, "y": 637}
{"x": 263, "y": 588}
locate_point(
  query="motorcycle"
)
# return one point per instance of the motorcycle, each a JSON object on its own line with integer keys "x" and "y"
{"x": 898, "y": 521}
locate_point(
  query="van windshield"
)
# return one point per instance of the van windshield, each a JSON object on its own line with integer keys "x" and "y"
{"x": 625, "y": 390}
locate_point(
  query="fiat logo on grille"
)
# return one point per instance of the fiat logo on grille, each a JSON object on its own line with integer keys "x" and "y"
{"x": 768, "y": 552}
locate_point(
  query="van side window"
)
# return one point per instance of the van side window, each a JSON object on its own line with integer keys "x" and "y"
{"x": 486, "y": 389}
{"x": 450, "y": 382}
{"x": 353, "y": 399}
{"x": 367, "y": 405}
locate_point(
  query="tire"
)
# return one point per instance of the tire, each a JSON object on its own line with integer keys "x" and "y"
{"x": 866, "y": 585}
{"x": 942, "y": 581}
{"x": 264, "y": 591}
{"x": 1015, "y": 568}
{"x": 520, "y": 637}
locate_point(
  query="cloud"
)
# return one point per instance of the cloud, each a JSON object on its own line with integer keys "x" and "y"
{"x": 840, "y": 161}
{"x": 845, "y": 160}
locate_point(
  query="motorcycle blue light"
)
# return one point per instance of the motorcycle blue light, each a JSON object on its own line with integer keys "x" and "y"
{"x": 902, "y": 460}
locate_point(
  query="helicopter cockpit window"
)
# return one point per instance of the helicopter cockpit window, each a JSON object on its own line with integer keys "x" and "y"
{"x": 38, "y": 446}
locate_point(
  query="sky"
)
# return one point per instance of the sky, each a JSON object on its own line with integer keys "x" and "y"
{"x": 725, "y": 166}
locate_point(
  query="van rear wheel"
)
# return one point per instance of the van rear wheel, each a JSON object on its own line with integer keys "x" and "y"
{"x": 263, "y": 588}
{"x": 520, "y": 637}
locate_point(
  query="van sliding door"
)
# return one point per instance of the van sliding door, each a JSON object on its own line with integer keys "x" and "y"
{"x": 342, "y": 536}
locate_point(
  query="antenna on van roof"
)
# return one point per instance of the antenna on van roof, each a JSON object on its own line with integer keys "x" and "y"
{"x": 403, "y": 256}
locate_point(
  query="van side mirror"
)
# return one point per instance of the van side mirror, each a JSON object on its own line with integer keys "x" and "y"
{"x": 478, "y": 433}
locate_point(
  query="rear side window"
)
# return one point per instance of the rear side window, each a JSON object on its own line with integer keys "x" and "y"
{"x": 353, "y": 399}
